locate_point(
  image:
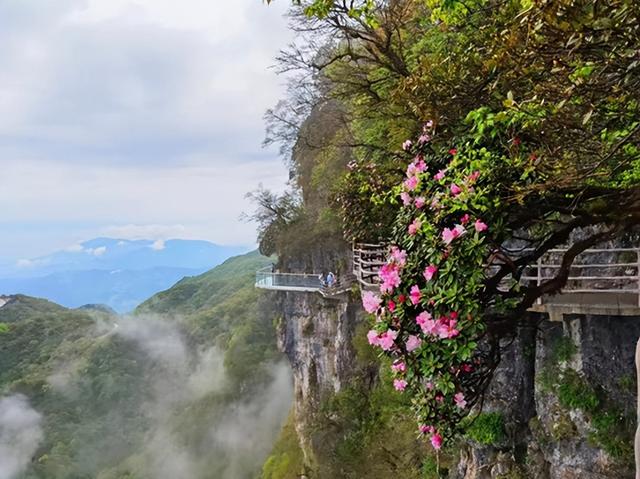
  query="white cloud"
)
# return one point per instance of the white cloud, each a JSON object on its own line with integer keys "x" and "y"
{"x": 99, "y": 251}
{"x": 142, "y": 112}
{"x": 158, "y": 245}
{"x": 30, "y": 263}
{"x": 20, "y": 434}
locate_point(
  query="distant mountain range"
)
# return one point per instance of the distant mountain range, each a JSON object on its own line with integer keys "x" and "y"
{"x": 115, "y": 272}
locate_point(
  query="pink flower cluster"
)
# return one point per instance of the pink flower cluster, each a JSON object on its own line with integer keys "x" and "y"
{"x": 371, "y": 302}
{"x": 401, "y": 300}
{"x": 415, "y": 294}
{"x": 448, "y": 235}
{"x": 429, "y": 272}
{"x": 415, "y": 227}
{"x": 411, "y": 182}
{"x": 384, "y": 340}
{"x": 436, "y": 438}
{"x": 398, "y": 256}
{"x": 390, "y": 272}
{"x": 399, "y": 366}
{"x": 460, "y": 400}
{"x": 390, "y": 276}
{"x": 416, "y": 167}
{"x": 444, "y": 327}
{"x": 413, "y": 343}
{"x": 400, "y": 384}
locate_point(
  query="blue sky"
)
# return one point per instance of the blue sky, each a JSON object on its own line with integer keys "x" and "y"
{"x": 134, "y": 118}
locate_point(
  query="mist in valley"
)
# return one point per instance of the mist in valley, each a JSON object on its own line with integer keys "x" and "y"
{"x": 20, "y": 434}
{"x": 178, "y": 415}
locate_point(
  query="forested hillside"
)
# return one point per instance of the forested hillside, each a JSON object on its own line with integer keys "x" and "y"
{"x": 166, "y": 393}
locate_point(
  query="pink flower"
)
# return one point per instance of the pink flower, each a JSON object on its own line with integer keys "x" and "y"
{"x": 399, "y": 367}
{"x": 429, "y": 386}
{"x": 373, "y": 337}
{"x": 415, "y": 295}
{"x": 413, "y": 343}
{"x": 447, "y": 329}
{"x": 474, "y": 176}
{"x": 424, "y": 138}
{"x": 390, "y": 276}
{"x": 371, "y": 302}
{"x": 423, "y": 317}
{"x": 399, "y": 384}
{"x": 426, "y": 323}
{"x": 465, "y": 219}
{"x": 424, "y": 429}
{"x": 411, "y": 183}
{"x": 448, "y": 235}
{"x": 440, "y": 175}
{"x": 398, "y": 256}
{"x": 406, "y": 145}
{"x": 428, "y": 125}
{"x": 391, "y": 306}
{"x": 429, "y": 272}
{"x": 415, "y": 226}
{"x": 455, "y": 189}
{"x": 420, "y": 201}
{"x": 436, "y": 441}
{"x": 420, "y": 165}
{"x": 460, "y": 401}
{"x": 453, "y": 152}
{"x": 411, "y": 170}
{"x": 387, "y": 339}
{"x": 406, "y": 198}
{"x": 480, "y": 226}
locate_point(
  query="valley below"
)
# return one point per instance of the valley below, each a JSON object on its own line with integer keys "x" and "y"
{"x": 190, "y": 385}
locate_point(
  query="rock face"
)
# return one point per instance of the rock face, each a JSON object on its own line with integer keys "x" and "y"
{"x": 566, "y": 392}
{"x": 315, "y": 334}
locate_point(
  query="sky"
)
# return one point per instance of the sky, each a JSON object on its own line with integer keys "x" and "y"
{"x": 134, "y": 119}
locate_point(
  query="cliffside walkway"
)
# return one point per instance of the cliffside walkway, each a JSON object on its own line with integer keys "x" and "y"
{"x": 301, "y": 282}
{"x": 603, "y": 281}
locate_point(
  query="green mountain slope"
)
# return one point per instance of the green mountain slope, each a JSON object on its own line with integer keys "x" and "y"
{"x": 169, "y": 392}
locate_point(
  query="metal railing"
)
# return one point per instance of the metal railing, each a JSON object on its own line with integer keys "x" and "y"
{"x": 268, "y": 279}
{"x": 594, "y": 271}
{"x": 301, "y": 282}
{"x": 367, "y": 260}
{"x": 602, "y": 271}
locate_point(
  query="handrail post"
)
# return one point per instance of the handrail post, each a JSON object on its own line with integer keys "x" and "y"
{"x": 638, "y": 273}
{"x": 539, "y": 278}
